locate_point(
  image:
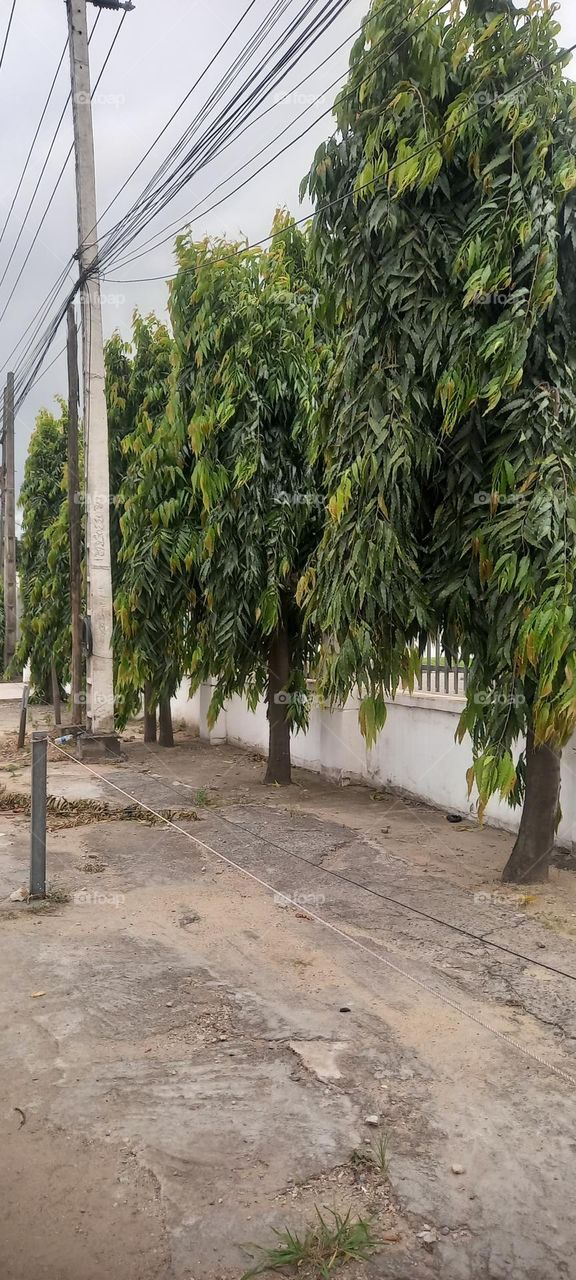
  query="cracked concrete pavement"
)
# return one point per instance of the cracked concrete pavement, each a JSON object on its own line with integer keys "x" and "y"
{"x": 201, "y": 1062}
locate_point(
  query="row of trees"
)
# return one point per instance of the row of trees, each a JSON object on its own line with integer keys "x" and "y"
{"x": 364, "y": 434}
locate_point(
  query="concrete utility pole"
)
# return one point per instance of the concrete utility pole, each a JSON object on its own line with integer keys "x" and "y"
{"x": 9, "y": 526}
{"x": 74, "y": 520}
{"x": 100, "y": 686}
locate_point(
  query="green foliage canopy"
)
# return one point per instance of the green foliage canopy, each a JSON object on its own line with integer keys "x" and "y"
{"x": 149, "y": 602}
{"x": 248, "y": 361}
{"x": 448, "y": 261}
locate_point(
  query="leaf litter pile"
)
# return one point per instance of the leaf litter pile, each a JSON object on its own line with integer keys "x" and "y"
{"x": 78, "y": 813}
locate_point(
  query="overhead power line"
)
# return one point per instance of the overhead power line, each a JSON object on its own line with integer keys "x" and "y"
{"x": 179, "y": 108}
{"x": 33, "y": 143}
{"x": 6, "y": 37}
{"x": 60, "y": 176}
{"x": 46, "y": 368}
{"x": 261, "y": 82}
{"x": 330, "y": 8}
{"x": 53, "y": 292}
{"x": 37, "y": 187}
{"x": 513, "y": 89}
{"x": 216, "y": 94}
{"x": 182, "y": 222}
{"x": 435, "y": 142}
{"x": 280, "y": 5}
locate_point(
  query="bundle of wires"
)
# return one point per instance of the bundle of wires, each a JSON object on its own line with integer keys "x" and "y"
{"x": 254, "y": 74}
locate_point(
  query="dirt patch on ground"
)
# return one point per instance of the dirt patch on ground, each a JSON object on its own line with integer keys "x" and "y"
{"x": 204, "y": 1058}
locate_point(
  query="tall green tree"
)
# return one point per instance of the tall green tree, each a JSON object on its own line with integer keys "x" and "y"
{"x": 44, "y": 569}
{"x": 448, "y": 254}
{"x": 150, "y": 602}
{"x": 248, "y": 361}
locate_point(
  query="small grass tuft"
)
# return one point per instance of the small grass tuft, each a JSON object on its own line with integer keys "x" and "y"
{"x": 380, "y": 1154}
{"x": 324, "y": 1246}
{"x": 376, "y": 1156}
{"x": 201, "y": 798}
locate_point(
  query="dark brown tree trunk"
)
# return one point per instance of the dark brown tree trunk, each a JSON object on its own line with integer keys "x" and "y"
{"x": 150, "y": 727}
{"x": 530, "y": 857}
{"x": 56, "y": 703}
{"x": 279, "y": 727}
{"x": 166, "y": 738}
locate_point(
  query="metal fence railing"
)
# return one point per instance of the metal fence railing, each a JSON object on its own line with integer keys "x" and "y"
{"x": 438, "y": 675}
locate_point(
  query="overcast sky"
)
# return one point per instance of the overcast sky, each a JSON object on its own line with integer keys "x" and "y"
{"x": 163, "y": 47}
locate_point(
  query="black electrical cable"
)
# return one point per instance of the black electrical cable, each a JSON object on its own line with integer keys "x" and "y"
{"x": 39, "y": 319}
{"x": 376, "y": 893}
{"x": 280, "y": 4}
{"x": 47, "y": 368}
{"x": 286, "y": 129}
{"x": 6, "y": 37}
{"x": 560, "y": 57}
{"x": 406, "y": 906}
{"x": 179, "y": 107}
{"x": 61, "y": 174}
{"x": 42, "y": 172}
{"x": 508, "y": 93}
{"x": 47, "y": 302}
{"x": 137, "y": 217}
{"x": 250, "y": 48}
{"x": 33, "y": 143}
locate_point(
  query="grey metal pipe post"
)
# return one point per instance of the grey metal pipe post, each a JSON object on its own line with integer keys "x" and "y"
{"x": 39, "y": 793}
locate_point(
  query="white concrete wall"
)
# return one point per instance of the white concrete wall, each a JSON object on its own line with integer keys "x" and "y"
{"x": 416, "y": 751}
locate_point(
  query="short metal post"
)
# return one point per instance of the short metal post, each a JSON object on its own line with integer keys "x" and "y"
{"x": 39, "y": 791}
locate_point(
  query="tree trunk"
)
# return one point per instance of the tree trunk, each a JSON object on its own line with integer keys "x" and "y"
{"x": 56, "y": 694}
{"x": 166, "y": 738}
{"x": 530, "y": 857}
{"x": 150, "y": 728}
{"x": 279, "y": 727}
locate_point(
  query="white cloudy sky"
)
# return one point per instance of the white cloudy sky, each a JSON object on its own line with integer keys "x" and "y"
{"x": 163, "y": 47}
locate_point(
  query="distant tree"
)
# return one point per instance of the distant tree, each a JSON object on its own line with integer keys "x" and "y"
{"x": 44, "y": 570}
{"x": 248, "y": 361}
{"x": 119, "y": 364}
{"x": 445, "y": 234}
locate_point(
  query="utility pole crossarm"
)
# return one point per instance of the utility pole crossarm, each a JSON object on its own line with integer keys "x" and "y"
{"x": 114, "y": 4}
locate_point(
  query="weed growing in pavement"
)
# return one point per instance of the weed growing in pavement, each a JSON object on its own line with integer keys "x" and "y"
{"x": 375, "y": 1156}
{"x": 325, "y": 1245}
{"x": 380, "y": 1153}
